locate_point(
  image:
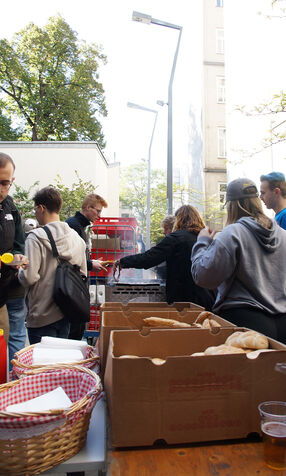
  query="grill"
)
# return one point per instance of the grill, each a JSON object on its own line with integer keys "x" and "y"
{"x": 143, "y": 291}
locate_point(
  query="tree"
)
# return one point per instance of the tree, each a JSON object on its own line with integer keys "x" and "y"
{"x": 6, "y": 130}
{"x": 133, "y": 195}
{"x": 24, "y": 201}
{"x": 49, "y": 81}
{"x": 72, "y": 198}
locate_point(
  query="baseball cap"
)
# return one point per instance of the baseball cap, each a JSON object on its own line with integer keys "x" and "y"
{"x": 273, "y": 176}
{"x": 30, "y": 224}
{"x": 241, "y": 188}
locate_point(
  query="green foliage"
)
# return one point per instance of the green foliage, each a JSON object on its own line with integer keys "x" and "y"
{"x": 133, "y": 195}
{"x": 212, "y": 211}
{"x": 49, "y": 81}
{"x": 23, "y": 199}
{"x": 72, "y": 198}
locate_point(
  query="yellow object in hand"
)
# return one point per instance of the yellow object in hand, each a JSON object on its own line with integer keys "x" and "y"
{"x": 7, "y": 258}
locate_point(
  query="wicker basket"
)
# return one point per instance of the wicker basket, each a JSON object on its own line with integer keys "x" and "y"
{"x": 31, "y": 443}
{"x": 24, "y": 358}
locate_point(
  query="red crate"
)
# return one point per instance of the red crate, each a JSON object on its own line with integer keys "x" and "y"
{"x": 120, "y": 226}
{"x": 95, "y": 315}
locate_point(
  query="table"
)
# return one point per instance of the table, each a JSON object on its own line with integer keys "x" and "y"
{"x": 224, "y": 458}
{"x": 92, "y": 457}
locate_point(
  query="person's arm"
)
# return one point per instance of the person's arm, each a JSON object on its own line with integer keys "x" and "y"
{"x": 213, "y": 261}
{"x": 31, "y": 275}
{"x": 19, "y": 238}
{"x": 152, "y": 257}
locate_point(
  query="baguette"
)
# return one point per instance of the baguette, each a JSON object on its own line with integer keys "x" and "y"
{"x": 248, "y": 340}
{"x": 158, "y": 361}
{"x": 161, "y": 322}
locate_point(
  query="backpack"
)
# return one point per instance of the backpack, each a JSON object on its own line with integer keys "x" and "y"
{"x": 70, "y": 291}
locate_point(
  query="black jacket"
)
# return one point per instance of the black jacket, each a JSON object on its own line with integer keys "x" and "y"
{"x": 176, "y": 250}
{"x": 79, "y": 223}
{"x": 12, "y": 240}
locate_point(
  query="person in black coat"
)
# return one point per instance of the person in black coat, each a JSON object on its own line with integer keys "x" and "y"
{"x": 176, "y": 250}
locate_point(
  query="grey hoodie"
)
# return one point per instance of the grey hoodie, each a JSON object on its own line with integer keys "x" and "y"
{"x": 247, "y": 262}
{"x": 39, "y": 277}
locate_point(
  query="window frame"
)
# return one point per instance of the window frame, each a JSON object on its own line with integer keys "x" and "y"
{"x": 221, "y": 142}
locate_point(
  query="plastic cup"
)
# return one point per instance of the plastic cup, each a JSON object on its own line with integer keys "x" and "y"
{"x": 273, "y": 426}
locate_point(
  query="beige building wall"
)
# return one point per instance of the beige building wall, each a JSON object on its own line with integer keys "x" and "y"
{"x": 43, "y": 161}
{"x": 214, "y": 111}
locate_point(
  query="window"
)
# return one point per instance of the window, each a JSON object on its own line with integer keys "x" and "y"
{"x": 220, "y": 89}
{"x": 220, "y": 41}
{"x": 222, "y": 192}
{"x": 221, "y": 142}
{"x": 219, "y": 3}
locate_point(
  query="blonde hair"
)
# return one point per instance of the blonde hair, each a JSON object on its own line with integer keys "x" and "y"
{"x": 92, "y": 199}
{"x": 168, "y": 221}
{"x": 188, "y": 218}
{"x": 247, "y": 207}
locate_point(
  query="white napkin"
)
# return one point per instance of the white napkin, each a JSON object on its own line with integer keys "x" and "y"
{"x": 51, "y": 355}
{"x": 64, "y": 343}
{"x": 48, "y": 401}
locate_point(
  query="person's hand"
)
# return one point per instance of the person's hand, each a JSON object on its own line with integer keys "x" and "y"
{"x": 207, "y": 232}
{"x": 24, "y": 261}
{"x": 97, "y": 266}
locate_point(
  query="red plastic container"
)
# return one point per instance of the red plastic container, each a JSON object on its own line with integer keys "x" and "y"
{"x": 3, "y": 358}
{"x": 126, "y": 228}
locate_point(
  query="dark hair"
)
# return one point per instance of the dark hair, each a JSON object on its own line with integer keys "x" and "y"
{"x": 5, "y": 159}
{"x": 188, "y": 218}
{"x": 50, "y": 198}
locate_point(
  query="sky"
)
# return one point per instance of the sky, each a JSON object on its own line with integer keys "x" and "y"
{"x": 139, "y": 64}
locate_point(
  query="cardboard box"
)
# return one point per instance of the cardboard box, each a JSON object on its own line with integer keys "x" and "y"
{"x": 187, "y": 399}
{"x": 120, "y": 320}
{"x": 137, "y": 306}
{"x": 105, "y": 243}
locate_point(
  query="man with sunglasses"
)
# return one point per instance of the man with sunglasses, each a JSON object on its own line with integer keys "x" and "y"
{"x": 11, "y": 241}
{"x": 91, "y": 209}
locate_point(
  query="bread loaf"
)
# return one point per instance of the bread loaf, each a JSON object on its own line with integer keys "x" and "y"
{"x": 161, "y": 322}
{"x": 248, "y": 340}
{"x": 223, "y": 349}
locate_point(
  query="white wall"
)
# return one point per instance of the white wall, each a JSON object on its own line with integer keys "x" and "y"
{"x": 43, "y": 161}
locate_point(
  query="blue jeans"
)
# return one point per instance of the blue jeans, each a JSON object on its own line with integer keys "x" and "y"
{"x": 56, "y": 329}
{"x": 17, "y": 334}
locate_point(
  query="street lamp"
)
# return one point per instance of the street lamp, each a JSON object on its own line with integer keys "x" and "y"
{"x": 147, "y": 19}
{"x": 142, "y": 108}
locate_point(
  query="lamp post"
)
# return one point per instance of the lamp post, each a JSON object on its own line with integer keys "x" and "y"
{"x": 148, "y": 215}
{"x": 147, "y": 19}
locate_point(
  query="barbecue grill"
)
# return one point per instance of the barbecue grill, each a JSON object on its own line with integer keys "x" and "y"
{"x": 145, "y": 290}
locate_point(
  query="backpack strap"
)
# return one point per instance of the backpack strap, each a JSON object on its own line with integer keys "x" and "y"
{"x": 52, "y": 241}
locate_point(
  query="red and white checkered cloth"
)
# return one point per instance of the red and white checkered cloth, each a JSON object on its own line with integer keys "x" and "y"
{"x": 76, "y": 384}
{"x": 26, "y": 358}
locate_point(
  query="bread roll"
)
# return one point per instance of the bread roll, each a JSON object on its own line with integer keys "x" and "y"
{"x": 248, "y": 340}
{"x": 197, "y": 354}
{"x": 129, "y": 357}
{"x": 202, "y": 316}
{"x": 161, "y": 322}
{"x": 255, "y": 353}
{"x": 223, "y": 349}
{"x": 106, "y": 263}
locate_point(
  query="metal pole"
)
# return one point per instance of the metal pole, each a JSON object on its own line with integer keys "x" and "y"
{"x": 148, "y": 216}
{"x": 170, "y": 133}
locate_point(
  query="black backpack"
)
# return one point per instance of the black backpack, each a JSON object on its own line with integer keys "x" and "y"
{"x": 70, "y": 291}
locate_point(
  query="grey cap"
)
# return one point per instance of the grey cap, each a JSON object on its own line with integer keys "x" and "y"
{"x": 241, "y": 188}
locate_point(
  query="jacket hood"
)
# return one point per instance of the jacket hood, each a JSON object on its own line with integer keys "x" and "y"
{"x": 67, "y": 241}
{"x": 268, "y": 239}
